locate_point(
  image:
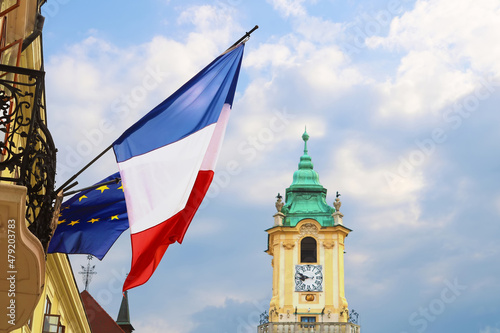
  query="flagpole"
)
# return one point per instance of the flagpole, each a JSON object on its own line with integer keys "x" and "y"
{"x": 247, "y": 35}
{"x": 113, "y": 181}
{"x": 62, "y": 187}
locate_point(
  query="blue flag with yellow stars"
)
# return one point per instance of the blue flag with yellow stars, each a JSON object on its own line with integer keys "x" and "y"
{"x": 91, "y": 221}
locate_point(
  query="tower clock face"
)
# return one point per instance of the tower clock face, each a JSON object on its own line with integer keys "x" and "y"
{"x": 308, "y": 278}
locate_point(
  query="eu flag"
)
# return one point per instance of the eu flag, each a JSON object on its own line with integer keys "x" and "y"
{"x": 92, "y": 220}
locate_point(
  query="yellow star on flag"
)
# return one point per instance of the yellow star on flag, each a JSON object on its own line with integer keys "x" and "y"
{"x": 82, "y": 197}
{"x": 114, "y": 217}
{"x": 93, "y": 220}
{"x": 120, "y": 188}
{"x": 62, "y": 221}
{"x": 102, "y": 188}
{"x": 74, "y": 222}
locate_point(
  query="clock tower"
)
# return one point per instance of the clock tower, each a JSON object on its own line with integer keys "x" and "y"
{"x": 307, "y": 246}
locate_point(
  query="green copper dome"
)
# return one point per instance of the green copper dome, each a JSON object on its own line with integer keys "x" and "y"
{"x": 306, "y": 197}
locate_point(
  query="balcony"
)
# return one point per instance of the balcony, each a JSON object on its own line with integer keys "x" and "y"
{"x": 27, "y": 151}
{"x": 299, "y": 327}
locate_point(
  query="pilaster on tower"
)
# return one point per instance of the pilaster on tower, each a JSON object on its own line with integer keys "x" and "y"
{"x": 307, "y": 246}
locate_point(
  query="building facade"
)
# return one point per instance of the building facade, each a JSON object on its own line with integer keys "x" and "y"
{"x": 307, "y": 246}
{"x": 39, "y": 289}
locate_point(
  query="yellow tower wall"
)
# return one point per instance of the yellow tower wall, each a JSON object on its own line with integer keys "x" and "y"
{"x": 287, "y": 305}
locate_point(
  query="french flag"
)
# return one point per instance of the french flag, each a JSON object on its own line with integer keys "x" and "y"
{"x": 167, "y": 160}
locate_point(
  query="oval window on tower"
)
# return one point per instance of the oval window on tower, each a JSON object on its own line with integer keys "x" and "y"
{"x": 308, "y": 250}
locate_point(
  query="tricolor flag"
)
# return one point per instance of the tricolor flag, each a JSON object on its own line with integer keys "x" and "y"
{"x": 167, "y": 159}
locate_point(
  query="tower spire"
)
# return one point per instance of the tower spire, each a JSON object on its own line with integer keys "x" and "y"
{"x": 123, "y": 319}
{"x": 306, "y": 197}
{"x": 305, "y": 160}
{"x": 305, "y": 137}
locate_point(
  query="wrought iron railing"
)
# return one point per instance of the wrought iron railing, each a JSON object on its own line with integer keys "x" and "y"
{"x": 27, "y": 151}
{"x": 302, "y": 327}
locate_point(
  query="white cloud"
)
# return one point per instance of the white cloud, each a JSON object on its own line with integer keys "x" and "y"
{"x": 289, "y": 7}
{"x": 318, "y": 30}
{"x": 211, "y": 23}
{"x": 259, "y": 169}
{"x": 465, "y": 30}
{"x": 359, "y": 169}
{"x": 367, "y": 165}
{"x": 449, "y": 45}
{"x": 326, "y": 71}
{"x": 295, "y": 77}
{"x": 274, "y": 55}
{"x": 424, "y": 84}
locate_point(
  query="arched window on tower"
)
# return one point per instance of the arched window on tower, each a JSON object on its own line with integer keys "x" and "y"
{"x": 308, "y": 250}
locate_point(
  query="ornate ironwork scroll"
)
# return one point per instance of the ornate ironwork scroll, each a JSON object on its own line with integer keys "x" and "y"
{"x": 27, "y": 151}
{"x": 264, "y": 318}
{"x": 353, "y": 317}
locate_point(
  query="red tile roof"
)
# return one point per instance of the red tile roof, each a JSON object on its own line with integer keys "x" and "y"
{"x": 99, "y": 320}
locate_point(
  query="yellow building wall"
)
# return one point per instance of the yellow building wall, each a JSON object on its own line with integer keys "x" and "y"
{"x": 60, "y": 286}
{"x": 62, "y": 291}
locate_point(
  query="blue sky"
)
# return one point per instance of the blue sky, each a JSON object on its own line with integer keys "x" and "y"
{"x": 400, "y": 99}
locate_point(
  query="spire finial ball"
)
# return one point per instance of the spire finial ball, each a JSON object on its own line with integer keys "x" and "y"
{"x": 305, "y": 136}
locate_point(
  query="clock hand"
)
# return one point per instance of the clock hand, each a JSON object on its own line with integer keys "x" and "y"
{"x": 302, "y": 277}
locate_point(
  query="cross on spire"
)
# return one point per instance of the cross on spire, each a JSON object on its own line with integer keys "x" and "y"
{"x": 87, "y": 272}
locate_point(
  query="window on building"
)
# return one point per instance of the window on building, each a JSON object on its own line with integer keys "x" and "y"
{"x": 48, "y": 305}
{"x": 3, "y": 31}
{"x": 308, "y": 320}
{"x": 308, "y": 250}
{"x": 8, "y": 5}
{"x": 10, "y": 55}
{"x": 51, "y": 323}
